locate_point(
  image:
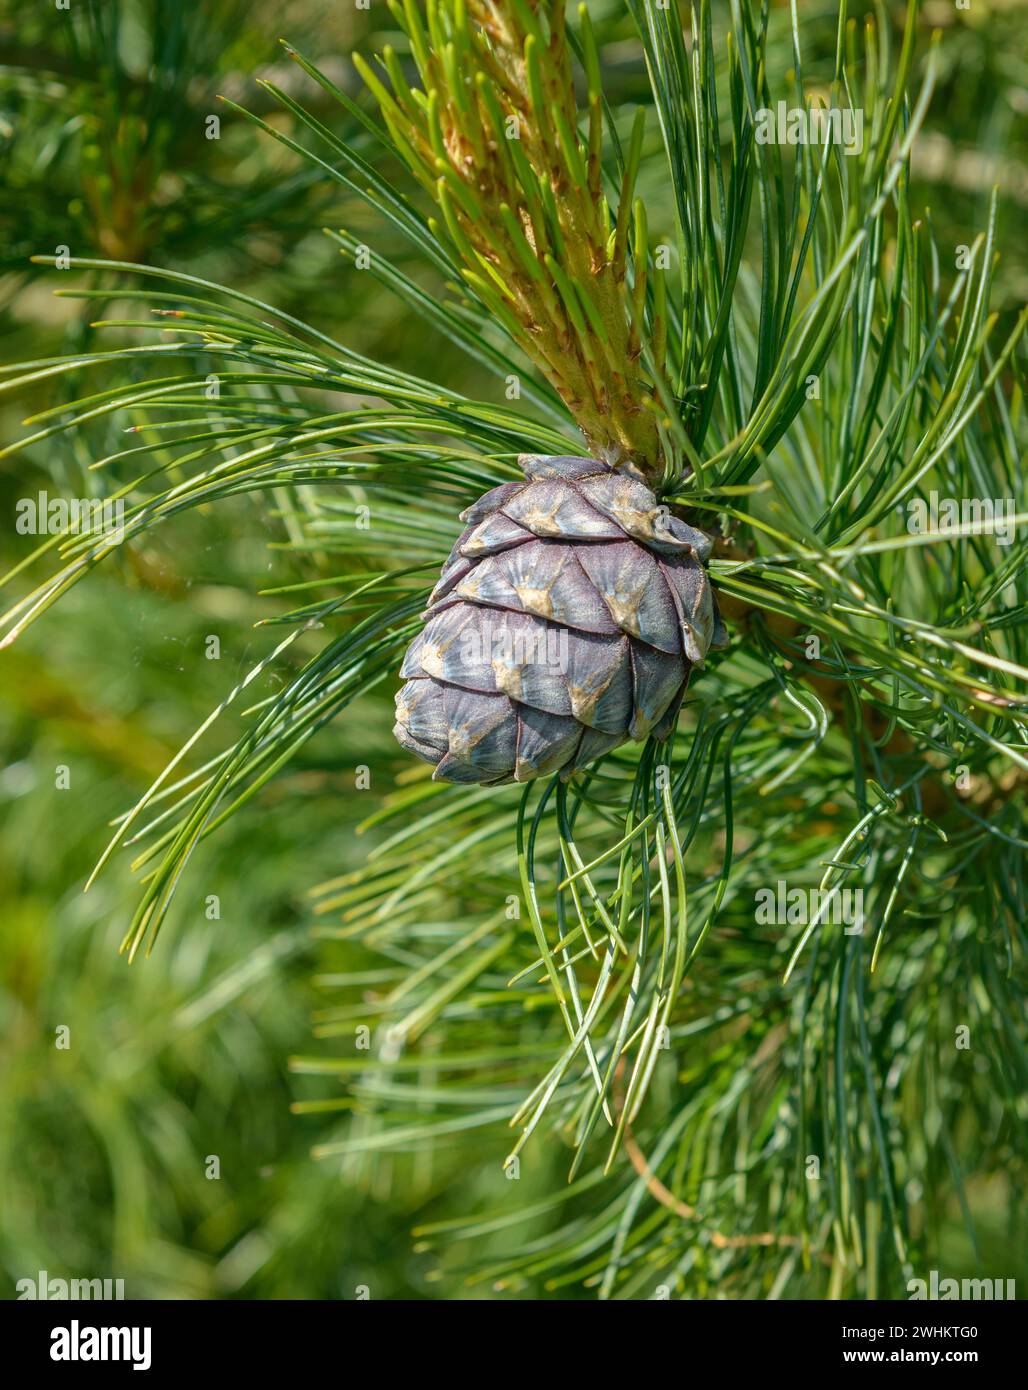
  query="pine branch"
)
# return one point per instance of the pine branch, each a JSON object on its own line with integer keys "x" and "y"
{"x": 493, "y": 135}
{"x": 637, "y": 1010}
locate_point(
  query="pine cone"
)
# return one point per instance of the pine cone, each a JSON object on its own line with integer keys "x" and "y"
{"x": 566, "y": 621}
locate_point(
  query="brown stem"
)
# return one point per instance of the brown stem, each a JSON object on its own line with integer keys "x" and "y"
{"x": 667, "y": 1198}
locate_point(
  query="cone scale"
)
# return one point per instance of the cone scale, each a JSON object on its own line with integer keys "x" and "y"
{"x": 565, "y": 622}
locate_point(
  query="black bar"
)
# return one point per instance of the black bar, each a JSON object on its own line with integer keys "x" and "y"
{"x": 778, "y": 1339}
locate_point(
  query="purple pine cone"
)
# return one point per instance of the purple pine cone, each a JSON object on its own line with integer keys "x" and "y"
{"x": 565, "y": 622}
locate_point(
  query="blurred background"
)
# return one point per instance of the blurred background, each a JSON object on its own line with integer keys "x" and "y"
{"x": 106, "y": 1145}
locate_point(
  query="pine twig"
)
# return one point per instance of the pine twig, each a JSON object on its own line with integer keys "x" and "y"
{"x": 493, "y": 134}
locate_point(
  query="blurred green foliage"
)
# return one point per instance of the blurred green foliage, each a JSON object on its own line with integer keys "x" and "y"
{"x": 104, "y": 1145}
